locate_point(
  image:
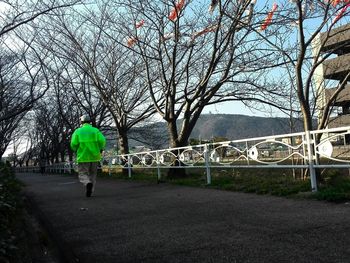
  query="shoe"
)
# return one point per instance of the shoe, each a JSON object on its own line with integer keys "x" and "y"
{"x": 88, "y": 189}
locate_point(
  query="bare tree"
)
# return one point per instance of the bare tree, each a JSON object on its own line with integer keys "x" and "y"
{"x": 298, "y": 44}
{"x": 82, "y": 39}
{"x": 22, "y": 82}
{"x": 194, "y": 58}
{"x": 57, "y": 116}
{"x": 20, "y": 66}
{"x": 7, "y": 132}
{"x": 152, "y": 134}
{"x": 17, "y": 13}
{"x": 21, "y": 13}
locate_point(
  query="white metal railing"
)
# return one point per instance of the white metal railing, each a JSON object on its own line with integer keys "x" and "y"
{"x": 27, "y": 169}
{"x": 295, "y": 150}
{"x": 63, "y": 167}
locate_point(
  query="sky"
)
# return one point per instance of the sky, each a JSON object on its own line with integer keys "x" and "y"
{"x": 232, "y": 107}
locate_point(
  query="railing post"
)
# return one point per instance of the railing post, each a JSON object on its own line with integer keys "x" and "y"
{"x": 159, "y": 175}
{"x": 247, "y": 151}
{"x": 129, "y": 166}
{"x": 310, "y": 156}
{"x": 207, "y": 163}
{"x": 109, "y": 166}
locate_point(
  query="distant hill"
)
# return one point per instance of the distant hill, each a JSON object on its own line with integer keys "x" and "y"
{"x": 232, "y": 126}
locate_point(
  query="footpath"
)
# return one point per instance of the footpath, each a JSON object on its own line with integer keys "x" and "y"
{"x": 143, "y": 222}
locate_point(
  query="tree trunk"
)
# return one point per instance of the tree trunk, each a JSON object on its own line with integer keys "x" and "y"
{"x": 124, "y": 149}
{"x": 123, "y": 142}
{"x": 62, "y": 156}
{"x": 173, "y": 134}
{"x": 307, "y": 118}
{"x": 174, "y": 173}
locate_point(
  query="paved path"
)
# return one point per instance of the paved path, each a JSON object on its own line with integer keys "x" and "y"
{"x": 145, "y": 222}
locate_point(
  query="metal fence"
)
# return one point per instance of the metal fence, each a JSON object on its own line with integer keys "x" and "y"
{"x": 288, "y": 151}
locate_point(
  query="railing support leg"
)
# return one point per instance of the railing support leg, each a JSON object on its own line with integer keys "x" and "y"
{"x": 159, "y": 176}
{"x": 311, "y": 154}
{"x": 109, "y": 167}
{"x": 207, "y": 163}
{"x": 129, "y": 166}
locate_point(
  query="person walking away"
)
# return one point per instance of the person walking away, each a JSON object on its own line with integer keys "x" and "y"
{"x": 88, "y": 142}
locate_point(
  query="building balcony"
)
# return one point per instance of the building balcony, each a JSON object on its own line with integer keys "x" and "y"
{"x": 339, "y": 121}
{"x": 337, "y": 40}
{"x": 337, "y": 68}
{"x": 343, "y": 97}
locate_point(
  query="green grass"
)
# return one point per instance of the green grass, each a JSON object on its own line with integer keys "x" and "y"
{"x": 333, "y": 185}
{"x": 255, "y": 182}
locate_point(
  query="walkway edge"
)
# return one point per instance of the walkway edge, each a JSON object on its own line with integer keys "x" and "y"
{"x": 65, "y": 253}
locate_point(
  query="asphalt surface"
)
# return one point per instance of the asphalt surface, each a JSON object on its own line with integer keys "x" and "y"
{"x": 144, "y": 222}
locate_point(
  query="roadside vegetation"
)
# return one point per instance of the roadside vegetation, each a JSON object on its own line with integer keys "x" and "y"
{"x": 21, "y": 240}
{"x": 10, "y": 214}
{"x": 334, "y": 185}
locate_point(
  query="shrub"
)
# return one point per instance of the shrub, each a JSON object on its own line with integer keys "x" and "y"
{"x": 10, "y": 212}
{"x": 334, "y": 187}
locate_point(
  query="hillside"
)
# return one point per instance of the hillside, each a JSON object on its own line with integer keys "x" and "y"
{"x": 234, "y": 126}
{"x": 230, "y": 126}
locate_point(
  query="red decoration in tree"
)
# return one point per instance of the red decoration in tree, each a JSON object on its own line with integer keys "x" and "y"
{"x": 131, "y": 41}
{"x": 175, "y": 11}
{"x": 204, "y": 31}
{"x": 341, "y": 13}
{"x": 268, "y": 19}
{"x": 140, "y": 24}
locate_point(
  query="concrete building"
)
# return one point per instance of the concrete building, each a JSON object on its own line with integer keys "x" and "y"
{"x": 333, "y": 71}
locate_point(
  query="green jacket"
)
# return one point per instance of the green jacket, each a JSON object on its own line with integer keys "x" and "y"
{"x": 88, "y": 142}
